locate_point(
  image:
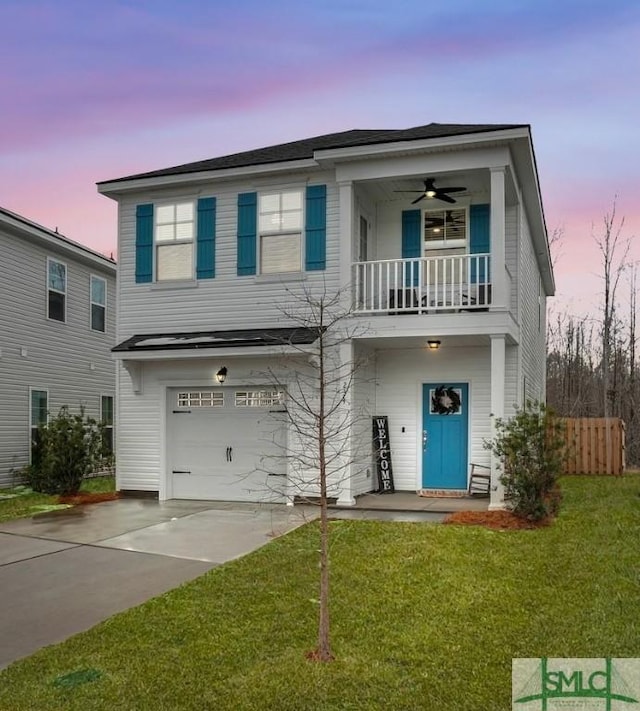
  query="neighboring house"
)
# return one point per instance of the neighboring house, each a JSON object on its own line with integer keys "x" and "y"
{"x": 57, "y": 328}
{"x": 436, "y": 232}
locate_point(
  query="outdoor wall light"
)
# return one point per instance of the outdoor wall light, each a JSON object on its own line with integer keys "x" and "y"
{"x": 433, "y": 345}
{"x": 221, "y": 375}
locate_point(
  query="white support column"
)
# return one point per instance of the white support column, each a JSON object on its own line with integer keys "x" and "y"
{"x": 345, "y": 485}
{"x": 498, "y": 360}
{"x": 498, "y": 254}
{"x": 346, "y": 211}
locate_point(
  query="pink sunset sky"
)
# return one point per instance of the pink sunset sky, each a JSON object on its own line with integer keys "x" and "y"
{"x": 93, "y": 91}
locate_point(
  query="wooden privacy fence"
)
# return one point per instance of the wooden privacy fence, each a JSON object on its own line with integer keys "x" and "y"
{"x": 595, "y": 445}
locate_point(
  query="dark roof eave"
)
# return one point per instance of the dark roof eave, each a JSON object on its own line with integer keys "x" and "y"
{"x": 306, "y": 148}
{"x": 256, "y": 338}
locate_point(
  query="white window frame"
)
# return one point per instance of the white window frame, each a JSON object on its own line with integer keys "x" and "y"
{"x": 157, "y": 244}
{"x": 432, "y": 245}
{"x": 93, "y": 303}
{"x": 31, "y": 425}
{"x": 279, "y": 231}
{"x": 112, "y": 426}
{"x": 51, "y": 260}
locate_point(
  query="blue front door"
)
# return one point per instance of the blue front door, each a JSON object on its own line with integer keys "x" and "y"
{"x": 445, "y": 433}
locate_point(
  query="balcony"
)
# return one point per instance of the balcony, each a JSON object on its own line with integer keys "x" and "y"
{"x": 423, "y": 285}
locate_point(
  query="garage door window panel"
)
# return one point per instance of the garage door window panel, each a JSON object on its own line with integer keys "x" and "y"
{"x": 258, "y": 398}
{"x": 200, "y": 399}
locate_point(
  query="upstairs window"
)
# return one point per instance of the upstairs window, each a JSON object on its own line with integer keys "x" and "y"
{"x": 56, "y": 290}
{"x": 174, "y": 232}
{"x": 445, "y": 229}
{"x": 98, "y": 288}
{"x": 280, "y": 225}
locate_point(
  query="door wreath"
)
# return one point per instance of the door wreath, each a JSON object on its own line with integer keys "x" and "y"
{"x": 445, "y": 401}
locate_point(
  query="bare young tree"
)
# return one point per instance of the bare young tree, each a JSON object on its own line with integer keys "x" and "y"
{"x": 319, "y": 384}
{"x": 614, "y": 250}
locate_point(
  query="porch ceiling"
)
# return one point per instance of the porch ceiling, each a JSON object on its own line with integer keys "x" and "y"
{"x": 476, "y": 182}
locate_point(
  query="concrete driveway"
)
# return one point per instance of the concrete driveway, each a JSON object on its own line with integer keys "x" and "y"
{"x": 62, "y": 573}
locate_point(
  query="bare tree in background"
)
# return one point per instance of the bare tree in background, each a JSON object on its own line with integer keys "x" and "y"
{"x": 321, "y": 417}
{"x": 591, "y": 361}
{"x": 556, "y": 238}
{"x": 614, "y": 250}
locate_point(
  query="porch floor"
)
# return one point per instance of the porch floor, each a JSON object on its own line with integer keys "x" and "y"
{"x": 410, "y": 501}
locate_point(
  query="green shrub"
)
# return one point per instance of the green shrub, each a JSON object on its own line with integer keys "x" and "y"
{"x": 531, "y": 450}
{"x": 68, "y": 448}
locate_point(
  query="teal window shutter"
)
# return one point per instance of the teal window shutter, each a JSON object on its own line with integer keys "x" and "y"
{"x": 316, "y": 228}
{"x": 144, "y": 243}
{"x": 480, "y": 240}
{"x": 206, "y": 239}
{"x": 411, "y": 243}
{"x": 247, "y": 222}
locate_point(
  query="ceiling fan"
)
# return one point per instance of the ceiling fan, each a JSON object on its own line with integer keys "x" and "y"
{"x": 430, "y": 192}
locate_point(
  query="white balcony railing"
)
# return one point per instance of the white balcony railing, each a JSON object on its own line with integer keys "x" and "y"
{"x": 423, "y": 285}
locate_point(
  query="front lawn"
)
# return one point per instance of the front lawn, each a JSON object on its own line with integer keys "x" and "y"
{"x": 425, "y": 616}
{"x": 28, "y": 503}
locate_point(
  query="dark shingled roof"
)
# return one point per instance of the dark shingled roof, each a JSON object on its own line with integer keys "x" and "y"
{"x": 299, "y": 150}
{"x": 218, "y": 339}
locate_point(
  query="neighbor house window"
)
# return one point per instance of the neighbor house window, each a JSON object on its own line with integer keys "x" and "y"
{"x": 38, "y": 415}
{"x": 445, "y": 229}
{"x": 56, "y": 290}
{"x": 98, "y": 288}
{"x": 280, "y": 225}
{"x": 106, "y": 417}
{"x": 174, "y": 231}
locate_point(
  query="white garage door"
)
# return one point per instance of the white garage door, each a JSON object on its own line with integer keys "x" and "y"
{"x": 226, "y": 444}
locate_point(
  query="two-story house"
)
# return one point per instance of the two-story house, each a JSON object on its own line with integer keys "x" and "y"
{"x": 435, "y": 237}
{"x": 57, "y": 328}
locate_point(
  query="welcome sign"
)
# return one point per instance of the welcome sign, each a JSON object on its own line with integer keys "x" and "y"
{"x": 382, "y": 449}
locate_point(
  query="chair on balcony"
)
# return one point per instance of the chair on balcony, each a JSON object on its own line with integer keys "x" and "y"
{"x": 479, "y": 480}
{"x": 402, "y": 299}
{"x": 482, "y": 297}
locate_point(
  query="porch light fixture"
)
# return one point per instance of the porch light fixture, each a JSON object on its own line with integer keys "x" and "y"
{"x": 433, "y": 345}
{"x": 221, "y": 375}
{"x": 430, "y": 194}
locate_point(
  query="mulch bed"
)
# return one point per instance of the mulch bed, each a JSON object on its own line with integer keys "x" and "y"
{"x": 89, "y": 498}
{"x": 500, "y": 520}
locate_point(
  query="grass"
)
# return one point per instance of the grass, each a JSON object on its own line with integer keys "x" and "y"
{"x": 424, "y": 616}
{"x": 26, "y": 503}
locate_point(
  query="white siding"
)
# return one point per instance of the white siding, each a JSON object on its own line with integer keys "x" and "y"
{"x": 68, "y": 359}
{"x": 227, "y": 301}
{"x": 512, "y": 239}
{"x": 400, "y": 375}
{"x": 532, "y": 319}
